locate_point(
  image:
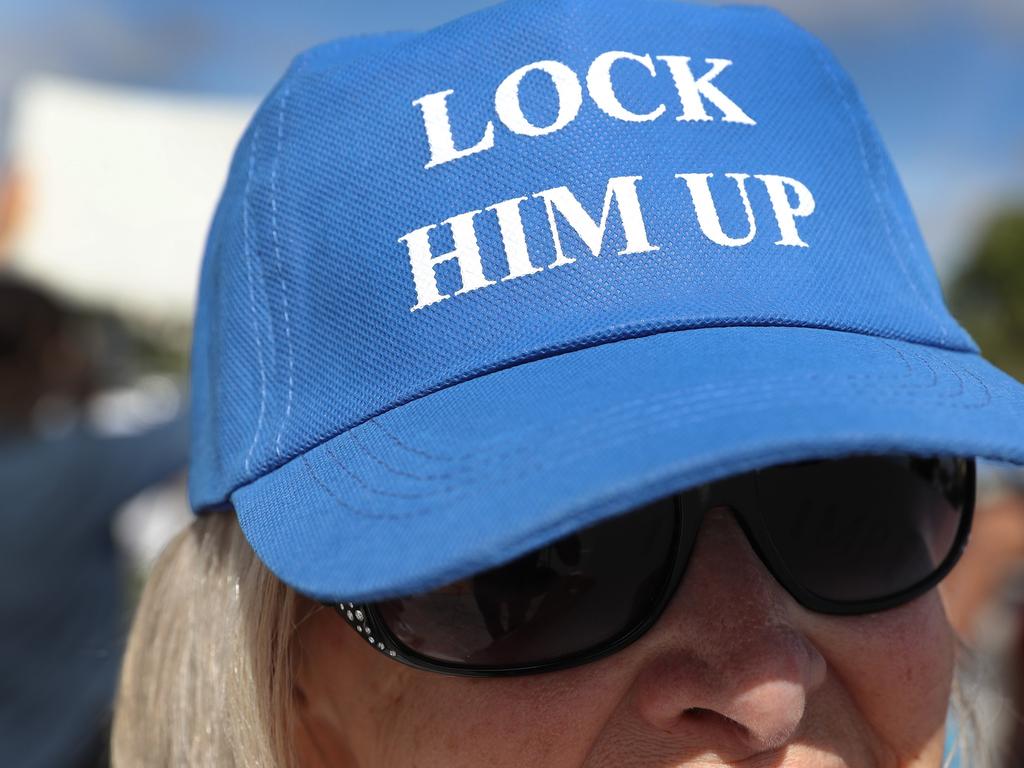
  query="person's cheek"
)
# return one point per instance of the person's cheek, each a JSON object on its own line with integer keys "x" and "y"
{"x": 897, "y": 667}
{"x": 550, "y": 720}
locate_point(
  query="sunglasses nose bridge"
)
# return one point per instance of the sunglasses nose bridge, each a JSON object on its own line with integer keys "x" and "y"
{"x": 737, "y": 494}
{"x": 739, "y": 499}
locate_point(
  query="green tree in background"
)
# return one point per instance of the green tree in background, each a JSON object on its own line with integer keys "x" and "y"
{"x": 987, "y": 296}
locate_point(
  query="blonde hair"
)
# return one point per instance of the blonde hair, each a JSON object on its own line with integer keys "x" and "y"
{"x": 207, "y": 675}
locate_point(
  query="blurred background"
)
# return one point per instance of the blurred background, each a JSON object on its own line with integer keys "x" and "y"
{"x": 117, "y": 122}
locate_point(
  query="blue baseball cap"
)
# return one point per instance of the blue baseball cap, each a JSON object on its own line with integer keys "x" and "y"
{"x": 469, "y": 290}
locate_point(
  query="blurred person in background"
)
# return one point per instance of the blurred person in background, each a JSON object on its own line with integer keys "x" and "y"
{"x": 62, "y": 611}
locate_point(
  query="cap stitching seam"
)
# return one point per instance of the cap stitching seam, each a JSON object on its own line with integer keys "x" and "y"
{"x": 250, "y": 256}
{"x": 280, "y": 271}
{"x": 371, "y": 514}
{"x": 473, "y": 479}
{"x": 942, "y": 399}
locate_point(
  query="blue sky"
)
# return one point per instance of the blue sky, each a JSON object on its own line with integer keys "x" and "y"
{"x": 944, "y": 79}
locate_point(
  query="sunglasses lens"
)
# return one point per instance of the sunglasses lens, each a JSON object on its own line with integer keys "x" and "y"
{"x": 583, "y": 592}
{"x": 864, "y": 528}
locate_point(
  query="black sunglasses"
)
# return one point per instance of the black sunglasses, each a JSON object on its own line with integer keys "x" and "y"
{"x": 843, "y": 536}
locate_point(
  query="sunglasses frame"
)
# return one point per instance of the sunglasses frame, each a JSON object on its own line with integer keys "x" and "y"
{"x": 739, "y": 494}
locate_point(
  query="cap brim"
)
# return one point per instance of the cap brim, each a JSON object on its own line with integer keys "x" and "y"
{"x": 473, "y": 475}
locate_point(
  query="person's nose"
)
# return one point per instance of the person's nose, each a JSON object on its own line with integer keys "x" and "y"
{"x": 728, "y": 670}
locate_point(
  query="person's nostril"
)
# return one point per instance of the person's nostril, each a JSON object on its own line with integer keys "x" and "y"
{"x": 702, "y": 715}
{"x": 698, "y": 713}
{"x": 719, "y": 732}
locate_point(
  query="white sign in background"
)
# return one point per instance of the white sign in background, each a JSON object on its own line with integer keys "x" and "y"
{"x": 118, "y": 186}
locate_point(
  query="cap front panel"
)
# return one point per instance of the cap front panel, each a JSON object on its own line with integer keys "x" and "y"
{"x": 532, "y": 179}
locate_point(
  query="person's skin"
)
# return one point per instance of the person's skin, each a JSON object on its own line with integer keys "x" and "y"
{"x": 989, "y": 563}
{"x": 734, "y": 673}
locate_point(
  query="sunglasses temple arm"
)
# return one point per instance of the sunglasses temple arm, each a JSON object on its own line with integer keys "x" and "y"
{"x": 358, "y": 616}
